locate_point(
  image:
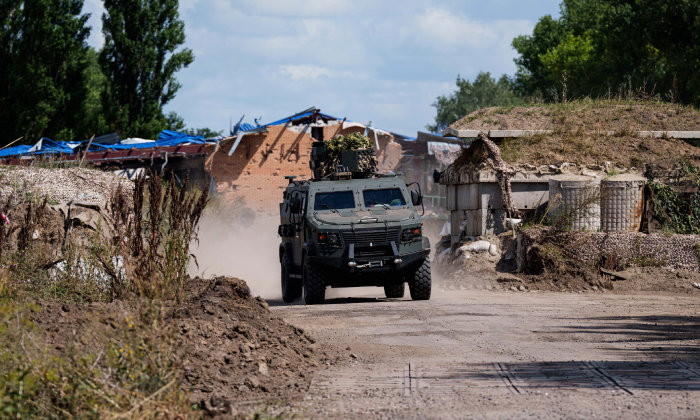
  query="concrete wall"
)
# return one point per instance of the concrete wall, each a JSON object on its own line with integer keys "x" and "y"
{"x": 476, "y": 208}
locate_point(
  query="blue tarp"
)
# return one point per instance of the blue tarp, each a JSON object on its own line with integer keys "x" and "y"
{"x": 48, "y": 146}
{"x": 165, "y": 138}
{"x": 16, "y": 150}
{"x": 246, "y": 127}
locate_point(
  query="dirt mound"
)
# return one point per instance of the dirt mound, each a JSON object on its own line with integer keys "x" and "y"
{"x": 238, "y": 351}
{"x": 580, "y": 133}
{"x": 232, "y": 352}
{"x": 587, "y": 115}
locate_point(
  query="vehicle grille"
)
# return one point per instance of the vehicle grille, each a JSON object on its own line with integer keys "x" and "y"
{"x": 363, "y": 237}
{"x": 381, "y": 251}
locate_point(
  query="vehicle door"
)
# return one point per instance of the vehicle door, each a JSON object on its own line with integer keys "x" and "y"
{"x": 297, "y": 218}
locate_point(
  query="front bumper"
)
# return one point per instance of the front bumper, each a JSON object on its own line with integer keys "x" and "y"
{"x": 349, "y": 263}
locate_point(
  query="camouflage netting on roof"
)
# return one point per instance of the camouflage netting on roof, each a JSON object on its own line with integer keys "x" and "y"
{"x": 61, "y": 185}
{"x": 367, "y": 161}
{"x": 483, "y": 154}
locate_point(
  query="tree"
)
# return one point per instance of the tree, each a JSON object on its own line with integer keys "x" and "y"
{"x": 174, "y": 121}
{"x": 532, "y": 77}
{"x": 94, "y": 117}
{"x": 470, "y": 96}
{"x": 140, "y": 60}
{"x": 43, "y": 51}
{"x": 608, "y": 45}
{"x": 205, "y": 132}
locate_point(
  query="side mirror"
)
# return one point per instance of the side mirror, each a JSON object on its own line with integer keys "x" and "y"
{"x": 295, "y": 205}
{"x": 416, "y": 197}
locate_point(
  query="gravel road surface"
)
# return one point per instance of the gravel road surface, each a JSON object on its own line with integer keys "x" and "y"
{"x": 482, "y": 354}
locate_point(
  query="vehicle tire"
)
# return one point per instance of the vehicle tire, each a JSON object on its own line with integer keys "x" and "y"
{"x": 421, "y": 285}
{"x": 394, "y": 291}
{"x": 314, "y": 287}
{"x": 291, "y": 288}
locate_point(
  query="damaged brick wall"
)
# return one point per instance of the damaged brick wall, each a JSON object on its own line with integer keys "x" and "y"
{"x": 255, "y": 173}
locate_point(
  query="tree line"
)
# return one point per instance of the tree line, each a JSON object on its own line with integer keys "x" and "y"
{"x": 598, "y": 49}
{"x": 53, "y": 84}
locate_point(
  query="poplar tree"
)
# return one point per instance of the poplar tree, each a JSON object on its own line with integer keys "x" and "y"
{"x": 43, "y": 53}
{"x": 140, "y": 60}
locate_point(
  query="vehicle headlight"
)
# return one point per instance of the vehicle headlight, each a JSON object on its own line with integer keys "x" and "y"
{"x": 334, "y": 239}
{"x": 331, "y": 239}
{"x": 411, "y": 234}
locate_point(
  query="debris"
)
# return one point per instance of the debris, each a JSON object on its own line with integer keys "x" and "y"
{"x": 511, "y": 222}
{"x": 476, "y": 246}
{"x": 696, "y": 285}
{"x": 614, "y": 274}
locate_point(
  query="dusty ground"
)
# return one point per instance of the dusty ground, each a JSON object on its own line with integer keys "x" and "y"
{"x": 484, "y": 354}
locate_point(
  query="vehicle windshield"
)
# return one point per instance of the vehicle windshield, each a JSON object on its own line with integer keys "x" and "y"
{"x": 334, "y": 200}
{"x": 383, "y": 197}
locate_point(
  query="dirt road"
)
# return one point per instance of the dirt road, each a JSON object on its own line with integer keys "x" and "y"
{"x": 481, "y": 354}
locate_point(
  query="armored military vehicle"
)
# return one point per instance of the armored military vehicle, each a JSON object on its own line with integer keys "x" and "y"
{"x": 350, "y": 227}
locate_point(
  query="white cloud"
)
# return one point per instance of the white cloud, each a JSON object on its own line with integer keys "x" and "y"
{"x": 298, "y": 72}
{"x": 440, "y": 26}
{"x": 96, "y": 9}
{"x": 299, "y": 8}
{"x": 381, "y": 61}
{"x": 186, "y": 5}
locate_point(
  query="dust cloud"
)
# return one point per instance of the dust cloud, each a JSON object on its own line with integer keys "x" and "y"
{"x": 246, "y": 249}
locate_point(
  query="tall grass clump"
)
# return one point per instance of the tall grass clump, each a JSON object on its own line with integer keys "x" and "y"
{"x": 153, "y": 231}
{"x": 137, "y": 254}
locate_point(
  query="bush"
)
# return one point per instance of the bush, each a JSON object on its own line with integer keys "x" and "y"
{"x": 677, "y": 212}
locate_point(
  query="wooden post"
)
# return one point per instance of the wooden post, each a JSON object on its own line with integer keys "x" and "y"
{"x": 11, "y": 143}
{"x": 86, "y": 151}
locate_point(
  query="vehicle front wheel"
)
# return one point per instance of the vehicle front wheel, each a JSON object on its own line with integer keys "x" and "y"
{"x": 421, "y": 284}
{"x": 291, "y": 287}
{"x": 314, "y": 286}
{"x": 394, "y": 291}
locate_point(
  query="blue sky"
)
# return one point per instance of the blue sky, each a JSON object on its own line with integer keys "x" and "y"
{"x": 384, "y": 61}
